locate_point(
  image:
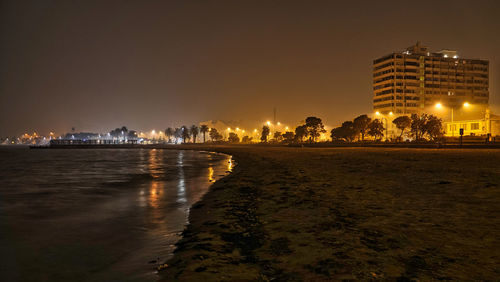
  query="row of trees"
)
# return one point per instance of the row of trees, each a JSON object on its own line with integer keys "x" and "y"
{"x": 185, "y": 134}
{"x": 123, "y": 132}
{"x": 358, "y": 128}
{"x": 311, "y": 130}
{"x": 418, "y": 127}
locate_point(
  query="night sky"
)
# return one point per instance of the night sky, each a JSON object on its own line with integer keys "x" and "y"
{"x": 97, "y": 65}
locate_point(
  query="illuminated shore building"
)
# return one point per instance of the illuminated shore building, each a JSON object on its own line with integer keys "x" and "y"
{"x": 416, "y": 79}
{"x": 479, "y": 126}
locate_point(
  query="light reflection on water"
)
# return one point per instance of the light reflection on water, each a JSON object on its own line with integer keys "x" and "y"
{"x": 111, "y": 210}
{"x": 181, "y": 187}
{"x": 230, "y": 164}
{"x": 210, "y": 174}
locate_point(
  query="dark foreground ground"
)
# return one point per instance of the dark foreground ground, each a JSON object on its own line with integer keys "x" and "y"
{"x": 293, "y": 214}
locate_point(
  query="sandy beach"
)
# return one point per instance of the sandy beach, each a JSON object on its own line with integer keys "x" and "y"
{"x": 313, "y": 214}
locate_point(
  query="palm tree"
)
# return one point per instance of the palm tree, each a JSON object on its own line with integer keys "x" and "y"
{"x": 194, "y": 132}
{"x": 177, "y": 134}
{"x": 169, "y": 132}
{"x": 185, "y": 133}
{"x": 204, "y": 130}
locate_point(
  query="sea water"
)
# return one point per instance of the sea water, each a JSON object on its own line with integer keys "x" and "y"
{"x": 97, "y": 214}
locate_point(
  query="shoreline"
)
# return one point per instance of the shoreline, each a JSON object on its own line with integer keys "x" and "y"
{"x": 323, "y": 213}
{"x": 416, "y": 145}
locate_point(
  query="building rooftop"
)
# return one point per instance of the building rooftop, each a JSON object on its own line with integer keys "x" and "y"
{"x": 419, "y": 49}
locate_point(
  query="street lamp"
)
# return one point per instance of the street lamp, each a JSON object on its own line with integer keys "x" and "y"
{"x": 383, "y": 118}
{"x": 440, "y": 106}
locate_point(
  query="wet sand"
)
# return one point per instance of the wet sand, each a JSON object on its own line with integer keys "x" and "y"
{"x": 315, "y": 214}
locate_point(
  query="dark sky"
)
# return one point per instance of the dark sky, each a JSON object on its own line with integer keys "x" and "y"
{"x": 97, "y": 65}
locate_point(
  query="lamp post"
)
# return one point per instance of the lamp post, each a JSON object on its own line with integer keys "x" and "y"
{"x": 440, "y": 106}
{"x": 386, "y": 122}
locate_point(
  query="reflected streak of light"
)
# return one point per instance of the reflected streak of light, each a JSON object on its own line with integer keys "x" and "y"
{"x": 154, "y": 163}
{"x": 230, "y": 165}
{"x": 155, "y": 195}
{"x": 211, "y": 174}
{"x": 181, "y": 187}
{"x": 142, "y": 198}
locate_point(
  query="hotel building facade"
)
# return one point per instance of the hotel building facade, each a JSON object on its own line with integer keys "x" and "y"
{"x": 416, "y": 79}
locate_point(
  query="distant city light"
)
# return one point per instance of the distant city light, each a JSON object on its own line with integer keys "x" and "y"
{"x": 466, "y": 104}
{"x": 439, "y": 106}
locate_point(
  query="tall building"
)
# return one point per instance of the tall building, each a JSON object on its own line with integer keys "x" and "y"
{"x": 416, "y": 79}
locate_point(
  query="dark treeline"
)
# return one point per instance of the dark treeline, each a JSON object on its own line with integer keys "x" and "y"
{"x": 415, "y": 127}
{"x": 186, "y": 134}
{"x": 422, "y": 127}
{"x": 123, "y": 133}
{"x": 361, "y": 129}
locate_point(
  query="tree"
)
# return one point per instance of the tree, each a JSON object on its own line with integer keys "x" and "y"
{"x": 194, "y": 132}
{"x": 233, "y": 138}
{"x": 117, "y": 132}
{"x": 132, "y": 134}
{"x": 345, "y": 132}
{"x": 246, "y": 139}
{"x": 417, "y": 126}
{"x": 185, "y": 134}
{"x": 376, "y": 128}
{"x": 402, "y": 123}
{"x": 177, "y": 134}
{"x": 214, "y": 135}
{"x": 277, "y": 136}
{"x": 433, "y": 127}
{"x": 288, "y": 136}
{"x": 265, "y": 133}
{"x": 203, "y": 130}
{"x": 300, "y": 133}
{"x": 169, "y": 132}
{"x": 361, "y": 124}
{"x": 337, "y": 134}
{"x": 314, "y": 127}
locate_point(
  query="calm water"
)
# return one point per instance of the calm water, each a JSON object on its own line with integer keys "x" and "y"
{"x": 96, "y": 215}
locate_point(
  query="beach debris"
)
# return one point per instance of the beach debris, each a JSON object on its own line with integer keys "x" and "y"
{"x": 162, "y": 267}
